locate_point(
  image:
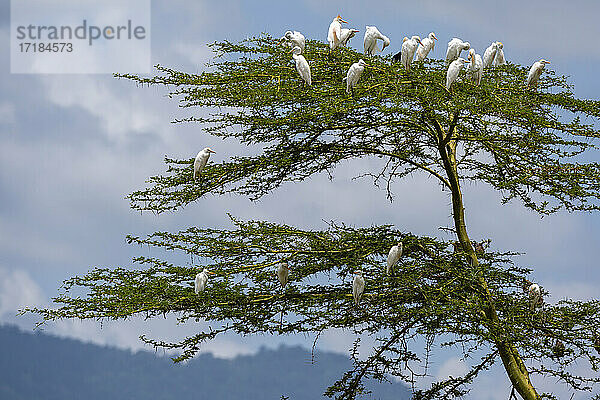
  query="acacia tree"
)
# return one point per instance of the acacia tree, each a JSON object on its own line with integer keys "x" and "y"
{"x": 535, "y": 146}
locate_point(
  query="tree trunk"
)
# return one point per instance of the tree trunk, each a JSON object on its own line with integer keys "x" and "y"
{"x": 514, "y": 366}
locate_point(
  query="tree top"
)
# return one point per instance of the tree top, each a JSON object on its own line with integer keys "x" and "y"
{"x": 536, "y": 145}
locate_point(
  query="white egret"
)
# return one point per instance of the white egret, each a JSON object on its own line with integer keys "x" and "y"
{"x": 353, "y": 75}
{"x": 490, "y": 54}
{"x": 398, "y": 56}
{"x": 201, "y": 160}
{"x": 201, "y": 279}
{"x": 301, "y": 65}
{"x": 453, "y": 70}
{"x": 535, "y": 295}
{"x": 334, "y": 35}
{"x": 455, "y": 46}
{"x": 535, "y": 72}
{"x": 393, "y": 257}
{"x": 294, "y": 38}
{"x": 346, "y": 35}
{"x": 358, "y": 286}
{"x": 283, "y": 273}
{"x": 500, "y": 60}
{"x": 427, "y": 44}
{"x": 475, "y": 72}
{"x": 409, "y": 48}
{"x": 372, "y": 35}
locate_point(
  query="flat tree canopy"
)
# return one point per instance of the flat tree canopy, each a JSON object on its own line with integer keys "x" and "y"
{"x": 537, "y": 146}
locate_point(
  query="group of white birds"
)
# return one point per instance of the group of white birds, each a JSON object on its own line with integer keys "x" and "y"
{"x": 358, "y": 283}
{"x": 339, "y": 37}
{"x": 283, "y": 273}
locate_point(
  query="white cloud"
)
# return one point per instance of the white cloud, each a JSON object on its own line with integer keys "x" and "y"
{"x": 119, "y": 111}
{"x": 124, "y": 334}
{"x": 228, "y": 348}
{"x": 119, "y": 334}
{"x": 452, "y": 367}
{"x": 18, "y": 290}
{"x": 196, "y": 53}
{"x": 342, "y": 341}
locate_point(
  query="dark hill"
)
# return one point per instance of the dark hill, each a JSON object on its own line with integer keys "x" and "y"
{"x": 39, "y": 366}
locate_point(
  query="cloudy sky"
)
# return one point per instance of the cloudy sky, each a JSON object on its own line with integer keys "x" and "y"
{"x": 72, "y": 147}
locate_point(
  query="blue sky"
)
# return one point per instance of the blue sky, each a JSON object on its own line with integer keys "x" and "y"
{"x": 72, "y": 147}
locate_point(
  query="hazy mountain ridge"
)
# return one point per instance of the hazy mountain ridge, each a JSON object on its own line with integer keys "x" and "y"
{"x": 40, "y": 366}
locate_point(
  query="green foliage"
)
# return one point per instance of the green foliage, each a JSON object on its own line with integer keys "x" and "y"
{"x": 533, "y": 145}
{"x": 528, "y": 144}
{"x": 432, "y": 293}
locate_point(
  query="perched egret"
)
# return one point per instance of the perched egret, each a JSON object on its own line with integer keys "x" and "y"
{"x": 398, "y": 56}
{"x": 535, "y": 295}
{"x": 455, "y": 46}
{"x": 201, "y": 160}
{"x": 499, "y": 60}
{"x": 294, "y": 38}
{"x": 201, "y": 279}
{"x": 475, "y": 72}
{"x": 372, "y": 34}
{"x": 453, "y": 70}
{"x": 358, "y": 286}
{"x": 301, "y": 65}
{"x": 427, "y": 44}
{"x": 283, "y": 272}
{"x": 535, "y": 72}
{"x": 346, "y": 35}
{"x": 490, "y": 54}
{"x": 354, "y": 73}
{"x": 409, "y": 49}
{"x": 393, "y": 257}
{"x": 334, "y": 35}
